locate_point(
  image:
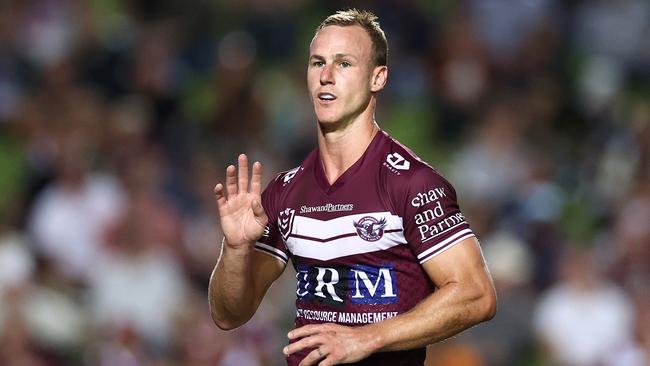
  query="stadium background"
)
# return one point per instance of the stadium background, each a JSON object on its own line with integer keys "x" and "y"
{"x": 118, "y": 117}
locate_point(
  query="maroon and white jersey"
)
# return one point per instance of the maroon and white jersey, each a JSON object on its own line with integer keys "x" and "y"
{"x": 357, "y": 245}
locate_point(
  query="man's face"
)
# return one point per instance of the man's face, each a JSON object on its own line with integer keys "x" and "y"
{"x": 340, "y": 73}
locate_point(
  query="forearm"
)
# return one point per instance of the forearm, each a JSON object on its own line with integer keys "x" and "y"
{"x": 448, "y": 311}
{"x": 231, "y": 290}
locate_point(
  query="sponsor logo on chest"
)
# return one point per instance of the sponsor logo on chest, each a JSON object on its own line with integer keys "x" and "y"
{"x": 328, "y": 207}
{"x": 359, "y": 284}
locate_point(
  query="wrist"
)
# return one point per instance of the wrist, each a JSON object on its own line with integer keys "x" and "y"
{"x": 237, "y": 247}
{"x": 375, "y": 338}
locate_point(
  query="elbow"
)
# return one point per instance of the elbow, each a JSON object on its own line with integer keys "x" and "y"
{"x": 481, "y": 303}
{"x": 225, "y": 324}
{"x": 487, "y": 307}
{"x": 224, "y": 319}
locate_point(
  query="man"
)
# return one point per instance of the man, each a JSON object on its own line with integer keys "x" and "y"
{"x": 386, "y": 263}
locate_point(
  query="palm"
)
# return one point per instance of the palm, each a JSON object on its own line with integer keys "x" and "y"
{"x": 241, "y": 214}
{"x": 238, "y": 221}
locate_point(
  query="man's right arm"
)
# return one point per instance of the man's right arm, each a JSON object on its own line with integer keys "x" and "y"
{"x": 238, "y": 284}
{"x": 242, "y": 274}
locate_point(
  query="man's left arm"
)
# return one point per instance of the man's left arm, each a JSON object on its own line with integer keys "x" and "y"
{"x": 464, "y": 297}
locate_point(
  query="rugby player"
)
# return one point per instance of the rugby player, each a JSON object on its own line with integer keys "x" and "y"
{"x": 386, "y": 262}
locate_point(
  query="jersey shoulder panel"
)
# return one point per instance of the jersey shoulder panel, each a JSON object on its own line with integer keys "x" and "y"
{"x": 425, "y": 200}
{"x": 405, "y": 173}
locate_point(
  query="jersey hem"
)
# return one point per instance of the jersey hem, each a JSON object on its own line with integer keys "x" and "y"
{"x": 264, "y": 248}
{"x": 439, "y": 249}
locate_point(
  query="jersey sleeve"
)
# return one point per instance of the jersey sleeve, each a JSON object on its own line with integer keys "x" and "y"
{"x": 432, "y": 218}
{"x": 271, "y": 241}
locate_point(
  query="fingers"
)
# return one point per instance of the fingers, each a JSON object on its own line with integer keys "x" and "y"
{"x": 327, "y": 362}
{"x": 231, "y": 180}
{"x": 242, "y": 163}
{"x": 237, "y": 177}
{"x": 258, "y": 211}
{"x": 307, "y": 330}
{"x": 219, "y": 194}
{"x": 256, "y": 179}
{"x": 313, "y": 357}
{"x": 309, "y": 342}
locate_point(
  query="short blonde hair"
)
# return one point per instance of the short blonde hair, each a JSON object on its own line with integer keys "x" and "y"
{"x": 368, "y": 21}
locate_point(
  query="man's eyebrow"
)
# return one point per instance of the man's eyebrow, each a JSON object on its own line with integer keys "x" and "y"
{"x": 337, "y": 56}
{"x": 343, "y": 55}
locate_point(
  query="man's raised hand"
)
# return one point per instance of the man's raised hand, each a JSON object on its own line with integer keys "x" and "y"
{"x": 240, "y": 208}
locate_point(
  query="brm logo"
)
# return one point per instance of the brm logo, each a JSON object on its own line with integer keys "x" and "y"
{"x": 332, "y": 285}
{"x": 373, "y": 285}
{"x": 322, "y": 284}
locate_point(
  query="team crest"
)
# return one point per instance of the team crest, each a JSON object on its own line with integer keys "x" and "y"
{"x": 285, "y": 222}
{"x": 369, "y": 228}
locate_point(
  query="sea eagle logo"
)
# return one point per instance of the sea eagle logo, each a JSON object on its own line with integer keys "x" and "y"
{"x": 369, "y": 228}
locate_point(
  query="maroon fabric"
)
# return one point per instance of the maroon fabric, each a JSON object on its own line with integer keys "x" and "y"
{"x": 357, "y": 245}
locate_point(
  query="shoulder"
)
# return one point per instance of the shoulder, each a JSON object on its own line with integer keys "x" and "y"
{"x": 282, "y": 182}
{"x": 284, "y": 178}
{"x": 406, "y": 168}
{"x": 408, "y": 178}
{"x": 285, "y": 181}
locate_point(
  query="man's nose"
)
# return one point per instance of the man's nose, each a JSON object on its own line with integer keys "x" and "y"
{"x": 326, "y": 75}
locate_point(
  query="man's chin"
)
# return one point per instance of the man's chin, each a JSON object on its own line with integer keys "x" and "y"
{"x": 329, "y": 124}
{"x": 327, "y": 119}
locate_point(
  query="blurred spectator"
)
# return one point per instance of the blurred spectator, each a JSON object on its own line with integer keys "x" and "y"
{"x": 583, "y": 317}
{"x": 138, "y": 283}
{"x": 17, "y": 263}
{"x": 504, "y": 26}
{"x": 612, "y": 28}
{"x": 71, "y": 216}
{"x": 493, "y": 164}
{"x": 16, "y": 345}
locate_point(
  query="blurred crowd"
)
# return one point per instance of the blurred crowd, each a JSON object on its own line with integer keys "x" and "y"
{"x": 117, "y": 118}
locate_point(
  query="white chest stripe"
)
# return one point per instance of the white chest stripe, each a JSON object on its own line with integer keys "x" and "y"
{"x": 323, "y": 229}
{"x": 330, "y": 239}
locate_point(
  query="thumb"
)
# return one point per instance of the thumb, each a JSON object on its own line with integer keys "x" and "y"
{"x": 258, "y": 210}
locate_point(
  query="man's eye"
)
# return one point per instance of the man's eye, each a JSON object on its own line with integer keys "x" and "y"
{"x": 317, "y": 63}
{"x": 345, "y": 64}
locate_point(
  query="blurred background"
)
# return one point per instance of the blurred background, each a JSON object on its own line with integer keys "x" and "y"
{"x": 117, "y": 118}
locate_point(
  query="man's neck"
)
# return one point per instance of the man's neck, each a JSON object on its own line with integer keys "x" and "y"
{"x": 340, "y": 149}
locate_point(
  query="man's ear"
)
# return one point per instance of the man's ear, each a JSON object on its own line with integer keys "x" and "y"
{"x": 379, "y": 78}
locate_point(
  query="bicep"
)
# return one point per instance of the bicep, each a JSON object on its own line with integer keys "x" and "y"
{"x": 463, "y": 263}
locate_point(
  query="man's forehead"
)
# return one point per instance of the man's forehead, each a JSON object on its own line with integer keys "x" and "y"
{"x": 335, "y": 39}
